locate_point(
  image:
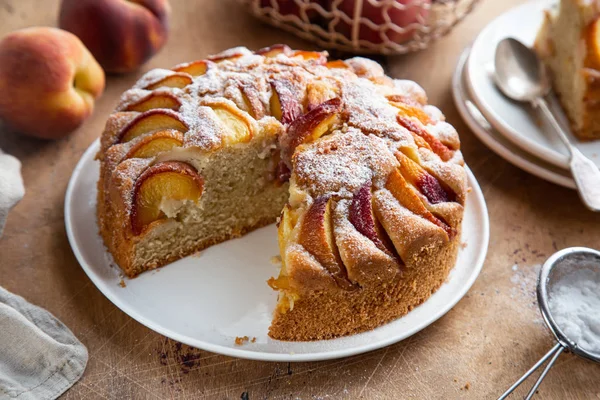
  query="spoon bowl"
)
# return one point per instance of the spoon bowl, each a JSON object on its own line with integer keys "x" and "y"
{"x": 519, "y": 73}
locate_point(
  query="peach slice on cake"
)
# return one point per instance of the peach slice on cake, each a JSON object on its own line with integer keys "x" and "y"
{"x": 284, "y": 104}
{"x": 155, "y": 100}
{"x": 156, "y": 143}
{"x": 176, "y": 80}
{"x": 318, "y": 92}
{"x": 285, "y": 226}
{"x": 273, "y": 51}
{"x": 426, "y": 183}
{"x": 310, "y": 127}
{"x": 252, "y": 100}
{"x": 337, "y": 64}
{"x": 592, "y": 38}
{"x": 405, "y": 194}
{"x": 152, "y": 121}
{"x": 418, "y": 131}
{"x": 319, "y": 57}
{"x": 237, "y": 128}
{"x": 165, "y": 181}
{"x": 412, "y": 111}
{"x": 316, "y": 236}
{"x": 195, "y": 68}
{"x": 362, "y": 217}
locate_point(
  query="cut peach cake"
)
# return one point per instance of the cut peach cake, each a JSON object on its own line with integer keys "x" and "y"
{"x": 365, "y": 179}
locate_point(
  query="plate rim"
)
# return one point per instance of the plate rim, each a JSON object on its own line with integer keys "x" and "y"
{"x": 258, "y": 355}
{"x": 459, "y": 94}
{"x": 545, "y": 153}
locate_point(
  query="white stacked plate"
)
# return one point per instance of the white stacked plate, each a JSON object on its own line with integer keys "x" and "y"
{"x": 513, "y": 130}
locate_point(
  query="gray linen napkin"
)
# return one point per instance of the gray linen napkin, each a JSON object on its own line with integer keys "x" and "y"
{"x": 40, "y": 358}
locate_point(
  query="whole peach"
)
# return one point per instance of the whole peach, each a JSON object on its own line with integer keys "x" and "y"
{"x": 48, "y": 81}
{"x": 402, "y": 13}
{"x": 121, "y": 34}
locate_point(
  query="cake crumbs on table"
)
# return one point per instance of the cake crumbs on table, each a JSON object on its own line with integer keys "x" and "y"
{"x": 122, "y": 283}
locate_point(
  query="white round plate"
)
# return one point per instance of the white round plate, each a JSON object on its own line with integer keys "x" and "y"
{"x": 519, "y": 122}
{"x": 494, "y": 140}
{"x": 207, "y": 300}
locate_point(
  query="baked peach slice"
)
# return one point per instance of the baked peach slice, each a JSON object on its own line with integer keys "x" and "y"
{"x": 317, "y": 56}
{"x": 592, "y": 38}
{"x": 275, "y": 50}
{"x": 337, "y": 64}
{"x": 318, "y": 92}
{"x": 426, "y": 183}
{"x": 252, "y": 100}
{"x": 284, "y": 104}
{"x": 155, "y": 100}
{"x": 238, "y": 130}
{"x": 176, "y": 80}
{"x": 412, "y": 111}
{"x": 285, "y": 226}
{"x": 194, "y": 68}
{"x": 316, "y": 236}
{"x": 152, "y": 121}
{"x": 362, "y": 217}
{"x": 165, "y": 181}
{"x": 406, "y": 195}
{"x": 155, "y": 144}
{"x": 418, "y": 131}
{"x": 309, "y": 127}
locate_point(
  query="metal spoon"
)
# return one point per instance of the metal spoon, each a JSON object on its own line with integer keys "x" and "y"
{"x": 521, "y": 76}
{"x": 559, "y": 264}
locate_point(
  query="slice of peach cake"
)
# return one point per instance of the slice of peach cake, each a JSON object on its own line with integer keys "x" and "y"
{"x": 369, "y": 177}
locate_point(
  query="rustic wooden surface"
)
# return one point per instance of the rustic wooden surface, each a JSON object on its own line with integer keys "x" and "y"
{"x": 476, "y": 351}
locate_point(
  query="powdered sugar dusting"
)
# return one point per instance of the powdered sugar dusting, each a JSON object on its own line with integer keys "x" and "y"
{"x": 574, "y": 301}
{"x": 360, "y": 149}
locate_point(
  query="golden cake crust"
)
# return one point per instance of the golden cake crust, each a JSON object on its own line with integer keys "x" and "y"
{"x": 376, "y": 180}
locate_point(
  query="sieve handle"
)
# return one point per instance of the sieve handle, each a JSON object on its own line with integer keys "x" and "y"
{"x": 554, "y": 353}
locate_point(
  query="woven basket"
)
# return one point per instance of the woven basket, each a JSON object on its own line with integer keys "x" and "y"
{"x": 365, "y": 26}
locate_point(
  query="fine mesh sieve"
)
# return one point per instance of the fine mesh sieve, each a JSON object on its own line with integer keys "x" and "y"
{"x": 365, "y": 26}
{"x": 559, "y": 265}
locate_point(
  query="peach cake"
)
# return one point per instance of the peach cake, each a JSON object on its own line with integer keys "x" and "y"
{"x": 569, "y": 43}
{"x": 365, "y": 179}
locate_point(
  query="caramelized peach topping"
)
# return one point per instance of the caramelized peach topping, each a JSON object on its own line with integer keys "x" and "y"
{"x": 273, "y": 51}
{"x": 337, "y": 64}
{"x": 165, "y": 181}
{"x": 405, "y": 194}
{"x": 362, "y": 217}
{"x": 152, "y": 121}
{"x": 196, "y": 68}
{"x": 155, "y": 100}
{"x": 176, "y": 80}
{"x": 316, "y": 236}
{"x": 237, "y": 130}
{"x": 310, "y": 127}
{"x": 417, "y": 130}
{"x": 284, "y": 104}
{"x": 426, "y": 183}
{"x": 156, "y": 143}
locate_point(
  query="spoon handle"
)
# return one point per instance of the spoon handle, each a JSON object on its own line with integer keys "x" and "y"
{"x": 587, "y": 178}
{"x": 540, "y": 102}
{"x": 585, "y": 172}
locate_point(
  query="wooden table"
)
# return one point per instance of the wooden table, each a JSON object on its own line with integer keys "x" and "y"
{"x": 476, "y": 351}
